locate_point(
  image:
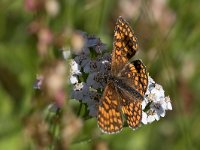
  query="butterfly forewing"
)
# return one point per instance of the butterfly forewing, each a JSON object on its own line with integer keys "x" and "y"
{"x": 109, "y": 115}
{"x": 124, "y": 45}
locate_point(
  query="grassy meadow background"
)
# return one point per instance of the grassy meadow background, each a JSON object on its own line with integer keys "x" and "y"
{"x": 32, "y": 34}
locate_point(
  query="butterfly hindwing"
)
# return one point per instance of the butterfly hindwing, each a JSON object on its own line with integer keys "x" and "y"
{"x": 135, "y": 75}
{"x": 131, "y": 108}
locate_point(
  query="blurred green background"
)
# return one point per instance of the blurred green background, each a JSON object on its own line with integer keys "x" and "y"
{"x": 32, "y": 32}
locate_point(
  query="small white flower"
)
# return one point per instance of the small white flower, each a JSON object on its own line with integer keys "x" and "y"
{"x": 158, "y": 109}
{"x": 156, "y": 101}
{"x": 79, "y": 86}
{"x": 144, "y": 103}
{"x": 157, "y": 94}
{"x": 144, "y": 118}
{"x": 151, "y": 97}
{"x": 150, "y": 80}
{"x": 151, "y": 118}
{"x": 168, "y": 103}
{"x": 73, "y": 79}
{"x": 75, "y": 68}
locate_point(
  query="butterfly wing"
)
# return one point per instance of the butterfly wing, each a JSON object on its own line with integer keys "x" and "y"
{"x": 131, "y": 108}
{"x": 134, "y": 74}
{"x": 124, "y": 45}
{"x": 109, "y": 116}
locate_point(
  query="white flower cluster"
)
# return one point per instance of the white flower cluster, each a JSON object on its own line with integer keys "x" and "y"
{"x": 155, "y": 103}
{"x": 88, "y": 69}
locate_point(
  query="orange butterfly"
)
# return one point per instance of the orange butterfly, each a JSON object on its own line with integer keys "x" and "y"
{"x": 126, "y": 84}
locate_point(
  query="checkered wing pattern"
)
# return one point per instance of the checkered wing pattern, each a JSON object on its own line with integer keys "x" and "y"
{"x": 126, "y": 86}
{"x": 109, "y": 115}
{"x": 124, "y": 45}
{"x": 131, "y": 108}
{"x": 135, "y": 75}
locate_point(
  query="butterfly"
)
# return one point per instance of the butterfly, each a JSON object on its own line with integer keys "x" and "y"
{"x": 126, "y": 84}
